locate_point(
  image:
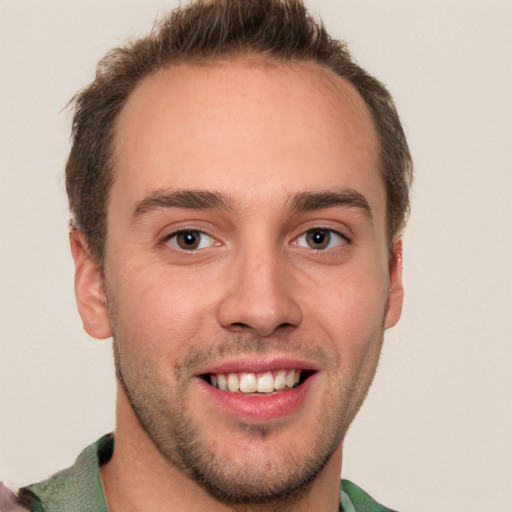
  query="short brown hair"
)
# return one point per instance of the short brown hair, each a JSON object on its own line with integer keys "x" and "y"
{"x": 206, "y": 30}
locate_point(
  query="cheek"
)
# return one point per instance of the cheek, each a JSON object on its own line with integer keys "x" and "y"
{"x": 156, "y": 310}
{"x": 353, "y": 309}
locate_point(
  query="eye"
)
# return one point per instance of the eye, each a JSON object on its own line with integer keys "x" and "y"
{"x": 320, "y": 239}
{"x": 190, "y": 240}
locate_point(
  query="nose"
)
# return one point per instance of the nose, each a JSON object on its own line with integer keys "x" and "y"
{"x": 259, "y": 295}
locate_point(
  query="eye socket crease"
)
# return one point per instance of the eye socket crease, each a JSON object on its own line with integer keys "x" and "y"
{"x": 320, "y": 238}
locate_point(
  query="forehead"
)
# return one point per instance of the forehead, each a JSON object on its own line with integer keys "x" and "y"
{"x": 245, "y": 124}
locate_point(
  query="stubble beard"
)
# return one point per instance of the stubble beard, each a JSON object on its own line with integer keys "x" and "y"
{"x": 163, "y": 414}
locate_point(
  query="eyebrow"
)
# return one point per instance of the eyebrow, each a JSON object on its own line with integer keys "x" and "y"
{"x": 191, "y": 199}
{"x": 208, "y": 200}
{"x": 310, "y": 201}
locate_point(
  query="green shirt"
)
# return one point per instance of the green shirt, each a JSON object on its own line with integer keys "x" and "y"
{"x": 79, "y": 489}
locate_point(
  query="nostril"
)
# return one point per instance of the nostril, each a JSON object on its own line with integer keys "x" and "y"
{"x": 261, "y": 308}
{"x": 239, "y": 327}
{"x": 263, "y": 331}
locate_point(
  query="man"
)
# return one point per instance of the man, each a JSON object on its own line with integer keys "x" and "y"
{"x": 238, "y": 187}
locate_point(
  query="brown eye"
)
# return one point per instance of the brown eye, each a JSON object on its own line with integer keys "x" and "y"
{"x": 320, "y": 239}
{"x": 190, "y": 240}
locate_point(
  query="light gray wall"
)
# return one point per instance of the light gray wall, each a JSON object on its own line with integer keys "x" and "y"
{"x": 435, "y": 433}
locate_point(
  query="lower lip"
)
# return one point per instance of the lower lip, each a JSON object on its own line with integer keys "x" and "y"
{"x": 262, "y": 407}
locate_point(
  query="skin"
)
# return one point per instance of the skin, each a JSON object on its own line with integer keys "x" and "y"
{"x": 259, "y": 134}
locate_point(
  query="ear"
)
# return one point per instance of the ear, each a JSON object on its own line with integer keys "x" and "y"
{"x": 396, "y": 289}
{"x": 90, "y": 296}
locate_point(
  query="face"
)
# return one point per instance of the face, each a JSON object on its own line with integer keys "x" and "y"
{"x": 246, "y": 271}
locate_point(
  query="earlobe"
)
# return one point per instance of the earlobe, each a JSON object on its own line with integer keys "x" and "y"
{"x": 396, "y": 290}
{"x": 89, "y": 291}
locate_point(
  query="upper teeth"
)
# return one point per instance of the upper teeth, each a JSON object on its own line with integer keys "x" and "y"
{"x": 248, "y": 382}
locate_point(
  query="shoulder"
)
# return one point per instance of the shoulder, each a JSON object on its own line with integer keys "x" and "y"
{"x": 357, "y": 500}
{"x": 77, "y": 488}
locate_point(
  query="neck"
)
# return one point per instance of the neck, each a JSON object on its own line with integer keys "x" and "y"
{"x": 139, "y": 478}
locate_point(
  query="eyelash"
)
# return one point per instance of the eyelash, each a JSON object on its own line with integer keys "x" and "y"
{"x": 332, "y": 235}
{"x": 202, "y": 234}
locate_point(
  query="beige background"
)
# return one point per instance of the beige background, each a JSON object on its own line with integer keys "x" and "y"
{"x": 436, "y": 431}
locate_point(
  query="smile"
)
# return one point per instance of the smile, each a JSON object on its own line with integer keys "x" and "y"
{"x": 258, "y": 390}
{"x": 256, "y": 382}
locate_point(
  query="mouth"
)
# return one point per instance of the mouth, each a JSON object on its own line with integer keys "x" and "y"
{"x": 258, "y": 383}
{"x": 258, "y": 390}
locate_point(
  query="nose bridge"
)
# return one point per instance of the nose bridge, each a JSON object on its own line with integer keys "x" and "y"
{"x": 260, "y": 263}
{"x": 259, "y": 291}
